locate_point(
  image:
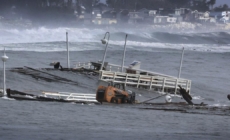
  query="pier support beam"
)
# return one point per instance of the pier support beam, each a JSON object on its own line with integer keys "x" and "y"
{"x": 4, "y": 59}
{"x": 123, "y": 59}
{"x": 67, "y": 46}
{"x": 105, "y": 41}
{"x": 181, "y": 61}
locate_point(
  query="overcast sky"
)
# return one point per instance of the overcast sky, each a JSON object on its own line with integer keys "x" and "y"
{"x": 221, "y": 2}
{"x": 218, "y": 2}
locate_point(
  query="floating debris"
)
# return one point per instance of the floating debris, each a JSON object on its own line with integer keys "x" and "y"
{"x": 202, "y": 109}
{"x": 77, "y": 98}
{"x": 42, "y": 75}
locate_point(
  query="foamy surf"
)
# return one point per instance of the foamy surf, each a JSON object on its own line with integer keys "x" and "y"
{"x": 81, "y": 39}
{"x": 218, "y": 105}
{"x": 6, "y": 98}
{"x": 197, "y": 98}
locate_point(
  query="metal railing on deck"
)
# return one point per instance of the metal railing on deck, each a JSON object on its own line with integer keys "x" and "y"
{"x": 81, "y": 97}
{"x": 117, "y": 68}
{"x": 83, "y": 65}
{"x": 156, "y": 82}
{"x": 149, "y": 79}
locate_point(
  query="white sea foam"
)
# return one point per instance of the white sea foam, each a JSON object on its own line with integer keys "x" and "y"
{"x": 119, "y": 45}
{"x": 6, "y": 98}
{"x": 197, "y": 98}
{"x": 52, "y": 40}
{"x": 219, "y": 105}
{"x": 43, "y": 34}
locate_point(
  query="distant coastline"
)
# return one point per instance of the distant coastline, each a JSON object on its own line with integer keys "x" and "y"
{"x": 177, "y": 27}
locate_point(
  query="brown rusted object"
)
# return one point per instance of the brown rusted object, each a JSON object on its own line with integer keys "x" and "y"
{"x": 111, "y": 94}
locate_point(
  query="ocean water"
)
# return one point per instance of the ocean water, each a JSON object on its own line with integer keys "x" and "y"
{"x": 206, "y": 63}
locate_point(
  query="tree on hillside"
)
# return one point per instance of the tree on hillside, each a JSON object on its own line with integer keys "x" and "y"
{"x": 212, "y": 2}
{"x": 201, "y": 5}
{"x": 179, "y": 3}
{"x": 221, "y": 8}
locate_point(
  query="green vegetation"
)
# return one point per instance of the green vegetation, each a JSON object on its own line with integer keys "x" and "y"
{"x": 201, "y": 5}
{"x": 67, "y": 10}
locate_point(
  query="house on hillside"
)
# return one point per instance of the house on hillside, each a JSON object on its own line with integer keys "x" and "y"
{"x": 150, "y": 18}
{"x": 143, "y": 12}
{"x": 166, "y": 12}
{"x": 96, "y": 13}
{"x": 171, "y": 20}
{"x": 181, "y": 11}
{"x": 178, "y": 15}
{"x": 122, "y": 16}
{"x": 220, "y": 16}
{"x": 201, "y": 16}
{"x": 109, "y": 14}
{"x": 87, "y": 19}
{"x": 135, "y": 17}
{"x": 216, "y": 15}
{"x": 152, "y": 13}
{"x": 96, "y": 16}
{"x": 107, "y": 17}
{"x": 160, "y": 19}
{"x": 225, "y": 18}
{"x": 204, "y": 17}
{"x": 139, "y": 16}
{"x": 105, "y": 21}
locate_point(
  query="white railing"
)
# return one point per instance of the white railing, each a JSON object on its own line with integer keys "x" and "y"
{"x": 83, "y": 65}
{"x": 110, "y": 67}
{"x": 82, "y": 97}
{"x": 152, "y": 82}
{"x": 1, "y": 91}
{"x": 117, "y": 68}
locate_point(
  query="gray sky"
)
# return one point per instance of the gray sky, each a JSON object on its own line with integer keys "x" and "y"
{"x": 221, "y": 2}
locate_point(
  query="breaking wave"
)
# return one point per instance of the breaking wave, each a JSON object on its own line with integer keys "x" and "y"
{"x": 44, "y": 39}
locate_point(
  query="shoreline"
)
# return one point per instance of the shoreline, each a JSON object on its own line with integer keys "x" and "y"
{"x": 183, "y": 26}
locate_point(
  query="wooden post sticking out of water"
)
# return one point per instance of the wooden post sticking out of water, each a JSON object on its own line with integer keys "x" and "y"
{"x": 181, "y": 61}
{"x": 123, "y": 60}
{"x": 67, "y": 45}
{"x": 105, "y": 41}
{"x": 4, "y": 59}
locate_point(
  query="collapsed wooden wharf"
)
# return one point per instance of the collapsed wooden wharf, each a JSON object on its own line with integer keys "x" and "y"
{"x": 53, "y": 97}
{"x": 42, "y": 75}
{"x": 138, "y": 78}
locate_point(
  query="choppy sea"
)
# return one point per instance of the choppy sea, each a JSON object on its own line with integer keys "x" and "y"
{"x": 206, "y": 63}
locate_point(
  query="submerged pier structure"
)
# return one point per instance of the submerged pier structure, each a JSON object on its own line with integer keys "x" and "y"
{"x": 138, "y": 78}
{"x": 151, "y": 82}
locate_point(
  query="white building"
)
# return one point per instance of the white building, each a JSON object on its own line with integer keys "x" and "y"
{"x": 160, "y": 19}
{"x": 171, "y": 20}
{"x": 152, "y": 13}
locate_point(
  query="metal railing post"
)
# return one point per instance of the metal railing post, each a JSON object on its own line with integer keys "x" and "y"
{"x": 126, "y": 78}
{"x": 123, "y": 59}
{"x": 151, "y": 81}
{"x": 163, "y": 88}
{"x": 67, "y": 46}
{"x": 110, "y": 68}
{"x": 181, "y": 61}
{"x": 138, "y": 81}
{"x": 107, "y": 42}
{"x": 187, "y": 82}
{"x": 176, "y": 86}
{"x": 4, "y": 59}
{"x": 190, "y": 83}
{"x": 114, "y": 75}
